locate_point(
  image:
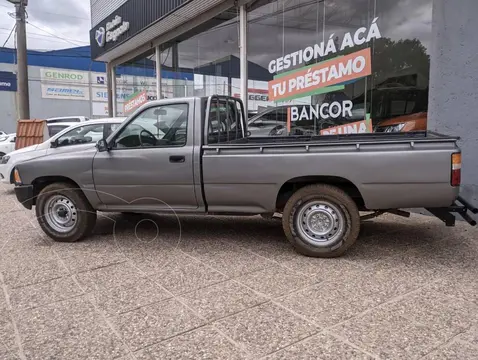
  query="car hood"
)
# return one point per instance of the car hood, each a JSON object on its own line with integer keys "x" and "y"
{"x": 24, "y": 150}
{"x": 404, "y": 119}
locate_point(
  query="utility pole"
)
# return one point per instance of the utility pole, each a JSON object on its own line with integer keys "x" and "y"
{"x": 22, "y": 72}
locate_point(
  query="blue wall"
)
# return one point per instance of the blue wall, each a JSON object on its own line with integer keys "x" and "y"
{"x": 80, "y": 59}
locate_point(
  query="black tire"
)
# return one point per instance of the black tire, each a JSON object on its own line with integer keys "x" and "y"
{"x": 339, "y": 200}
{"x": 85, "y": 214}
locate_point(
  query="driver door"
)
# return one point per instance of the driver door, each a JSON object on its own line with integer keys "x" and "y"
{"x": 150, "y": 163}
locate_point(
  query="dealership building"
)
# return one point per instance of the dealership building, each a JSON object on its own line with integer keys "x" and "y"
{"x": 377, "y": 59}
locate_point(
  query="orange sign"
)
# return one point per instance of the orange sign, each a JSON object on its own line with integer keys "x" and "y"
{"x": 359, "y": 127}
{"x": 135, "y": 102}
{"x": 326, "y": 73}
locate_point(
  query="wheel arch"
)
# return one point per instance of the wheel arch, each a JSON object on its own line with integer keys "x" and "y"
{"x": 43, "y": 181}
{"x": 289, "y": 187}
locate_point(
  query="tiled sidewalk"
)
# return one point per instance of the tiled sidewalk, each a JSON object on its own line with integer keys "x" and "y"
{"x": 232, "y": 288}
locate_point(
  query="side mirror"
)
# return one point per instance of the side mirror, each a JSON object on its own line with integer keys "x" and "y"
{"x": 102, "y": 145}
{"x": 54, "y": 144}
{"x": 248, "y": 133}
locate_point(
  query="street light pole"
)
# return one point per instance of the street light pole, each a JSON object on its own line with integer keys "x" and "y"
{"x": 22, "y": 71}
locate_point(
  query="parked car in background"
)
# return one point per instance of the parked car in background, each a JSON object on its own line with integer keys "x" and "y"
{"x": 74, "y": 137}
{"x": 55, "y": 128}
{"x": 69, "y": 119}
{"x": 405, "y": 123}
{"x": 7, "y": 144}
{"x": 2, "y": 134}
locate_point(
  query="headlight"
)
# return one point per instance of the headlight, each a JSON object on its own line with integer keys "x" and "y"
{"x": 394, "y": 128}
{"x": 5, "y": 159}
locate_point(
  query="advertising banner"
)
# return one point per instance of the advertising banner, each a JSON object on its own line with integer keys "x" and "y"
{"x": 306, "y": 80}
{"x": 135, "y": 102}
{"x": 101, "y": 109}
{"x": 359, "y": 127}
{"x": 8, "y": 81}
{"x": 58, "y": 91}
{"x": 63, "y": 76}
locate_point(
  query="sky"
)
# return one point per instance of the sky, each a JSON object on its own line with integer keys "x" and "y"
{"x": 52, "y": 24}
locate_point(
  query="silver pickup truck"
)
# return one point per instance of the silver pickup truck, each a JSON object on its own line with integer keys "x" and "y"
{"x": 194, "y": 155}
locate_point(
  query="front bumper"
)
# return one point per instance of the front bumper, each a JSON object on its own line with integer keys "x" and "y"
{"x": 24, "y": 194}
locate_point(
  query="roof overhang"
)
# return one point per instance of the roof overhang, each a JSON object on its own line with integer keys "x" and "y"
{"x": 191, "y": 15}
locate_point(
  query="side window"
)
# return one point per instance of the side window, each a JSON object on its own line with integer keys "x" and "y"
{"x": 225, "y": 121}
{"x": 109, "y": 129}
{"x": 82, "y": 135}
{"x": 157, "y": 126}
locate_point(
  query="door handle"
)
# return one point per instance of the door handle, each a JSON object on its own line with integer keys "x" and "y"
{"x": 177, "y": 159}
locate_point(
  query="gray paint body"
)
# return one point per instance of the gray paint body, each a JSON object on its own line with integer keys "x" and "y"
{"x": 246, "y": 178}
{"x": 453, "y": 101}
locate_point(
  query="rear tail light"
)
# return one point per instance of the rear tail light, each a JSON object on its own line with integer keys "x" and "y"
{"x": 456, "y": 169}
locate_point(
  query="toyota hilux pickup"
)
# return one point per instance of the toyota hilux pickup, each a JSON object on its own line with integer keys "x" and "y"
{"x": 195, "y": 156}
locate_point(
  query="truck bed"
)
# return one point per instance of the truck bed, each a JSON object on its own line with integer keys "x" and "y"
{"x": 387, "y": 170}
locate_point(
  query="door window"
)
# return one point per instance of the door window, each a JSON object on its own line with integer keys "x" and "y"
{"x": 82, "y": 135}
{"x": 157, "y": 126}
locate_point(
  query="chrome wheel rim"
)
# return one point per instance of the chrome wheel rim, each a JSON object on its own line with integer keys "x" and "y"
{"x": 320, "y": 223}
{"x": 60, "y": 213}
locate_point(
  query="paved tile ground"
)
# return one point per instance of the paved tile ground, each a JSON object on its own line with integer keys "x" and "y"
{"x": 232, "y": 288}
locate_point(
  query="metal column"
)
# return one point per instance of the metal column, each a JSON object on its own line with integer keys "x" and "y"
{"x": 109, "y": 88}
{"x": 114, "y": 113}
{"x": 175, "y": 63}
{"x": 159, "y": 91}
{"x": 243, "y": 55}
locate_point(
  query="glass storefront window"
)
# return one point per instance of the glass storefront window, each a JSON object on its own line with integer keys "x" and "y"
{"x": 342, "y": 62}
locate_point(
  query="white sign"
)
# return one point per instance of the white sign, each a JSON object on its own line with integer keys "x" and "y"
{"x": 63, "y": 76}
{"x": 101, "y": 109}
{"x": 114, "y": 29}
{"x": 57, "y": 91}
{"x": 122, "y": 93}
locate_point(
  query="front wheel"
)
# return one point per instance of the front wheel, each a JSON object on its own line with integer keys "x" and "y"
{"x": 64, "y": 213}
{"x": 321, "y": 221}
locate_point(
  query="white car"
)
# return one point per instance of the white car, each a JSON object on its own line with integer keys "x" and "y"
{"x": 66, "y": 119}
{"x": 7, "y": 144}
{"x": 78, "y": 136}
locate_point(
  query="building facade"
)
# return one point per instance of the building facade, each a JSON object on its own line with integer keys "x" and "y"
{"x": 336, "y": 65}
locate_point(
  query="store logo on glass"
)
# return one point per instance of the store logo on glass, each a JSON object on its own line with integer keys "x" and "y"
{"x": 100, "y": 36}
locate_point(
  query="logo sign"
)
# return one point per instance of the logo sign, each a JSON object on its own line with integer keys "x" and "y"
{"x": 8, "y": 81}
{"x": 63, "y": 76}
{"x": 135, "y": 102}
{"x": 322, "y": 111}
{"x": 359, "y": 127}
{"x": 256, "y": 95}
{"x": 53, "y": 91}
{"x": 100, "y": 36}
{"x": 305, "y": 81}
{"x": 101, "y": 80}
{"x": 114, "y": 29}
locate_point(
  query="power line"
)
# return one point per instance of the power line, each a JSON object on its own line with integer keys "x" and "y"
{"x": 54, "y": 35}
{"x": 9, "y": 35}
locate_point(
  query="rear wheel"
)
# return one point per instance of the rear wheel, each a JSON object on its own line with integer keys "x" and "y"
{"x": 64, "y": 213}
{"x": 321, "y": 221}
